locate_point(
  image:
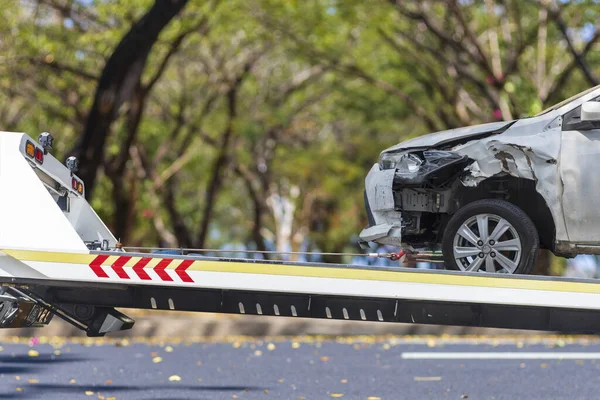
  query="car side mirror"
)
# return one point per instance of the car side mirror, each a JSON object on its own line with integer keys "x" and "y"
{"x": 590, "y": 111}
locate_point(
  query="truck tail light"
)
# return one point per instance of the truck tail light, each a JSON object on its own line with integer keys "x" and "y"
{"x": 30, "y": 149}
{"x": 39, "y": 156}
{"x": 77, "y": 185}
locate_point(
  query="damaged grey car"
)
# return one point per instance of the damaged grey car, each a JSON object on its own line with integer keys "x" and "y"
{"x": 489, "y": 196}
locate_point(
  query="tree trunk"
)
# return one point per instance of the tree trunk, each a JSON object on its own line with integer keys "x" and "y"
{"x": 217, "y": 172}
{"x": 221, "y": 162}
{"x": 123, "y": 199}
{"x": 117, "y": 83}
{"x": 124, "y": 195}
{"x": 258, "y": 206}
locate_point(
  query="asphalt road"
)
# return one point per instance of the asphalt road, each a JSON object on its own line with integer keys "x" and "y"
{"x": 302, "y": 369}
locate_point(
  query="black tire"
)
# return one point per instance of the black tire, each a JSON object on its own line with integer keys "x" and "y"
{"x": 521, "y": 223}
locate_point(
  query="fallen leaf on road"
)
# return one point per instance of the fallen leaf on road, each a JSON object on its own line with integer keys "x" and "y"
{"x": 72, "y": 381}
{"x": 19, "y": 389}
{"x": 427, "y": 378}
{"x": 89, "y": 393}
{"x": 174, "y": 378}
{"x": 522, "y": 365}
{"x": 324, "y": 358}
{"x": 199, "y": 380}
{"x": 156, "y": 360}
{"x": 108, "y": 382}
{"x": 386, "y": 346}
{"x": 18, "y": 378}
{"x": 373, "y": 398}
{"x": 168, "y": 349}
{"x": 337, "y": 394}
{"x": 344, "y": 381}
{"x": 280, "y": 380}
{"x": 258, "y": 353}
{"x": 199, "y": 363}
{"x": 33, "y": 381}
{"x": 111, "y": 398}
{"x": 57, "y": 352}
{"x": 464, "y": 396}
{"x": 266, "y": 390}
{"x": 235, "y": 396}
{"x": 271, "y": 347}
{"x": 33, "y": 353}
{"x": 544, "y": 365}
{"x": 579, "y": 362}
{"x": 237, "y": 345}
{"x": 295, "y": 345}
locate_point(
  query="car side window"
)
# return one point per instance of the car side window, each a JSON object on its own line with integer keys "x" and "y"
{"x": 572, "y": 120}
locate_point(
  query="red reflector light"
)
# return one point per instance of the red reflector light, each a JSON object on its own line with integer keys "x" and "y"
{"x": 29, "y": 149}
{"x": 39, "y": 156}
{"x": 74, "y": 183}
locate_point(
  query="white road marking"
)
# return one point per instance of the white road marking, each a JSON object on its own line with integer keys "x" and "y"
{"x": 501, "y": 356}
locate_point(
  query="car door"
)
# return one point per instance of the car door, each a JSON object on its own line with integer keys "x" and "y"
{"x": 580, "y": 173}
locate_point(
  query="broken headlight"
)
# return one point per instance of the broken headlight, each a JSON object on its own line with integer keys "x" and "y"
{"x": 434, "y": 166}
{"x": 404, "y": 163}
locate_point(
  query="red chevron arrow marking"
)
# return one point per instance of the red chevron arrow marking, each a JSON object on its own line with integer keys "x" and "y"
{"x": 180, "y": 270}
{"x": 118, "y": 267}
{"x": 138, "y": 268}
{"x": 96, "y": 266}
{"x": 160, "y": 269}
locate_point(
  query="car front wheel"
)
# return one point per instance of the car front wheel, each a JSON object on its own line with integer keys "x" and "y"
{"x": 490, "y": 236}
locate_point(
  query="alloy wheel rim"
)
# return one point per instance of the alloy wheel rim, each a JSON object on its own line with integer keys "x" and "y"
{"x": 488, "y": 243}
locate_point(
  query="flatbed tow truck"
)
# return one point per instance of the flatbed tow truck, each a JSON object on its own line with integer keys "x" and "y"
{"x": 57, "y": 257}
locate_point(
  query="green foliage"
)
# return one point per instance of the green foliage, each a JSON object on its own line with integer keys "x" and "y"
{"x": 321, "y": 88}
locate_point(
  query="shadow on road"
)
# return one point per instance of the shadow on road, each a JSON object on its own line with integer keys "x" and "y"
{"x": 41, "y": 359}
{"x": 55, "y": 389}
{"x": 22, "y": 364}
{"x": 17, "y": 369}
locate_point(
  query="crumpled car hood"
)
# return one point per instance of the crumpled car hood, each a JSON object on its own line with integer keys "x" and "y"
{"x": 451, "y": 135}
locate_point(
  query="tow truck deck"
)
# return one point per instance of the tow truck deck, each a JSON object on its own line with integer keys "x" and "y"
{"x": 58, "y": 258}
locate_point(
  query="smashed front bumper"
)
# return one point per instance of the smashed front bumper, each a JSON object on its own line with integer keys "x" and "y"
{"x": 384, "y": 220}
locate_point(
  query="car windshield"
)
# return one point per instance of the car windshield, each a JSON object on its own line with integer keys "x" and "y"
{"x": 570, "y": 99}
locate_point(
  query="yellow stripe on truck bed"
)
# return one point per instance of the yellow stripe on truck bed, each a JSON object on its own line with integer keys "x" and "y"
{"x": 349, "y": 272}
